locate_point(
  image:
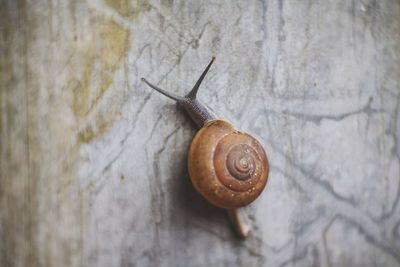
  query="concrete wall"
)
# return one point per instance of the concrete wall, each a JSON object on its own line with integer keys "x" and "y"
{"x": 93, "y": 163}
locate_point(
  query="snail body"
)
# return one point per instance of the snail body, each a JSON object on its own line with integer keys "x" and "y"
{"x": 227, "y": 167}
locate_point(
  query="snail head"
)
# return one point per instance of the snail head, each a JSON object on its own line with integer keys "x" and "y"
{"x": 197, "y": 111}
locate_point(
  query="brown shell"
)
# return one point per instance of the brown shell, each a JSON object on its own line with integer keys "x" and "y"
{"x": 229, "y": 168}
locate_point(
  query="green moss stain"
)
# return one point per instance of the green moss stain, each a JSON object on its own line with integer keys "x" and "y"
{"x": 129, "y": 9}
{"x": 101, "y": 124}
{"x": 81, "y": 88}
{"x": 99, "y": 62}
{"x": 86, "y": 135}
{"x": 114, "y": 44}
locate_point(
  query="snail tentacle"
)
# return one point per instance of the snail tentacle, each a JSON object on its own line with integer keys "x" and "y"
{"x": 162, "y": 91}
{"x": 193, "y": 93}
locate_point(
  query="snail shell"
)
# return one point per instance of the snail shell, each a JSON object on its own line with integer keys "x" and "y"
{"x": 229, "y": 168}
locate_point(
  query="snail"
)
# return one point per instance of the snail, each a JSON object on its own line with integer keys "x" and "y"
{"x": 227, "y": 167}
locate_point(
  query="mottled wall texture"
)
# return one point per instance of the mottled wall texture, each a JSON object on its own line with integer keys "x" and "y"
{"x": 93, "y": 162}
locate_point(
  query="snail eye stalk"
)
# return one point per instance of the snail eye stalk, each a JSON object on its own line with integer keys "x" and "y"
{"x": 193, "y": 93}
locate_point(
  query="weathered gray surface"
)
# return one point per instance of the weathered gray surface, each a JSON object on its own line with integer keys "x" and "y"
{"x": 93, "y": 163}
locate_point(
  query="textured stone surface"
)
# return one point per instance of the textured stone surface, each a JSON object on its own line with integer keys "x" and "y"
{"x": 93, "y": 163}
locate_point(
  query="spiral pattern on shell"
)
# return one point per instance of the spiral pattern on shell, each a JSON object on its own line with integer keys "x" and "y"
{"x": 229, "y": 168}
